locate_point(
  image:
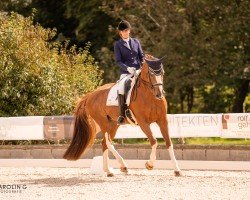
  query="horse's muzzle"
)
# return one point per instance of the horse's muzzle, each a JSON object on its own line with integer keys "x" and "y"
{"x": 159, "y": 96}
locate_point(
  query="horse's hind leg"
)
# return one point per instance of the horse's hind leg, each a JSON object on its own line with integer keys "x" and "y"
{"x": 118, "y": 157}
{"x": 106, "y": 159}
{"x": 109, "y": 134}
{"x": 153, "y": 142}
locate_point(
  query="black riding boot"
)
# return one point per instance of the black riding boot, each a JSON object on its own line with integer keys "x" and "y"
{"x": 121, "y": 101}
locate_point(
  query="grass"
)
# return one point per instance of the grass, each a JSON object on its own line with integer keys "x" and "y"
{"x": 220, "y": 141}
{"x": 195, "y": 141}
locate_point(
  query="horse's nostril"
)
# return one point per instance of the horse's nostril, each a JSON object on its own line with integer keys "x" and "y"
{"x": 158, "y": 96}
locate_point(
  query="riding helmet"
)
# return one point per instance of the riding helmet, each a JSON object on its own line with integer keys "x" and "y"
{"x": 123, "y": 25}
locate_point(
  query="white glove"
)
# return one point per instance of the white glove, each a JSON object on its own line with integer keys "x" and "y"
{"x": 131, "y": 70}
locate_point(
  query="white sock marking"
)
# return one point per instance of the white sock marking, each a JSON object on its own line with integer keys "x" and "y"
{"x": 172, "y": 156}
{"x": 153, "y": 155}
{"x": 115, "y": 153}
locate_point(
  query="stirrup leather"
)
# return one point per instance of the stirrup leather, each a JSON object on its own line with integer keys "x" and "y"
{"x": 130, "y": 117}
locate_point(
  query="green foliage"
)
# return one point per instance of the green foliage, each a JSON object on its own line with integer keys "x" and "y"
{"x": 95, "y": 25}
{"x": 38, "y": 77}
{"x": 206, "y": 44}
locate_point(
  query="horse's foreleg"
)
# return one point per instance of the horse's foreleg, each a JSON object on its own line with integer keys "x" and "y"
{"x": 177, "y": 170}
{"x": 153, "y": 142}
{"x": 163, "y": 124}
{"x": 118, "y": 157}
{"x": 150, "y": 163}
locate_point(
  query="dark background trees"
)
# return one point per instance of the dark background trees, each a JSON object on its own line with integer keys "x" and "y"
{"x": 206, "y": 43}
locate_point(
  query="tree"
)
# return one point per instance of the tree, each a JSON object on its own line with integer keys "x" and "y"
{"x": 77, "y": 21}
{"x": 94, "y": 25}
{"x": 206, "y": 44}
{"x": 38, "y": 77}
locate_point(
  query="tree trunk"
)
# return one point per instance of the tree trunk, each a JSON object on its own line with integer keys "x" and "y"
{"x": 241, "y": 93}
{"x": 190, "y": 99}
{"x": 182, "y": 98}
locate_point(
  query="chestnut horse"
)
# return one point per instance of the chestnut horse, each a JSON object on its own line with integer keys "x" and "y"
{"x": 148, "y": 104}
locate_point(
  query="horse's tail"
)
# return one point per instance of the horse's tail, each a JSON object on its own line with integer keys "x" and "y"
{"x": 84, "y": 132}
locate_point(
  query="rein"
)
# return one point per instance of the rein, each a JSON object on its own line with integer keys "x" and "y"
{"x": 148, "y": 84}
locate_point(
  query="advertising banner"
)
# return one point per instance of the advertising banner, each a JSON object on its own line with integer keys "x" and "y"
{"x": 21, "y": 128}
{"x": 236, "y": 125}
{"x": 180, "y": 125}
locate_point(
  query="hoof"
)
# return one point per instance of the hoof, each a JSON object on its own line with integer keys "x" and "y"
{"x": 124, "y": 169}
{"x": 148, "y": 166}
{"x": 178, "y": 173}
{"x": 110, "y": 175}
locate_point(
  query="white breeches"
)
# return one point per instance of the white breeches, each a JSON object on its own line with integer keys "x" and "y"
{"x": 122, "y": 81}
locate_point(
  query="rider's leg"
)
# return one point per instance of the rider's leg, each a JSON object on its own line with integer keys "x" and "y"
{"x": 121, "y": 99}
{"x": 121, "y": 118}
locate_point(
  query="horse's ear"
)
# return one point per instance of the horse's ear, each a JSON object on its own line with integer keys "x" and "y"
{"x": 149, "y": 56}
{"x": 162, "y": 58}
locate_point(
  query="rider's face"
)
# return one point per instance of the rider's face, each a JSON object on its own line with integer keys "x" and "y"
{"x": 125, "y": 33}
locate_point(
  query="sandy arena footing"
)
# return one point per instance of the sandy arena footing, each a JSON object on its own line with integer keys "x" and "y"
{"x": 77, "y": 184}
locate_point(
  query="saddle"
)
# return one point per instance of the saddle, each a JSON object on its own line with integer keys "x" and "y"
{"x": 112, "y": 99}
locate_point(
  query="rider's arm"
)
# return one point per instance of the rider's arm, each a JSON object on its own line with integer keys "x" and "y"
{"x": 140, "y": 52}
{"x": 118, "y": 57}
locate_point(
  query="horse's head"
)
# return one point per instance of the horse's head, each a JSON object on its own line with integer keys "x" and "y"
{"x": 152, "y": 74}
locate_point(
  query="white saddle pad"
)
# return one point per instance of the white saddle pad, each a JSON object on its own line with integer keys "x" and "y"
{"x": 112, "y": 99}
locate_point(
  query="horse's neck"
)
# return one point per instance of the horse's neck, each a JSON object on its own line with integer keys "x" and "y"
{"x": 145, "y": 88}
{"x": 147, "y": 104}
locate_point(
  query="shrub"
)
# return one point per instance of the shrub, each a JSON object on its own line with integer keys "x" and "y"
{"x": 40, "y": 76}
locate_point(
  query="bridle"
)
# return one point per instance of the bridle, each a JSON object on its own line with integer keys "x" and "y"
{"x": 157, "y": 71}
{"x": 152, "y": 72}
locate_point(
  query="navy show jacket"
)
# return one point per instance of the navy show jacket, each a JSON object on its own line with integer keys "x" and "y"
{"x": 126, "y": 57}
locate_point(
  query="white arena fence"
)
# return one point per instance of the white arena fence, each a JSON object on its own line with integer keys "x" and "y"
{"x": 230, "y": 125}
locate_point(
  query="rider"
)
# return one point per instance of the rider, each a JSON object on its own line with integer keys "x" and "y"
{"x": 129, "y": 57}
